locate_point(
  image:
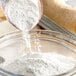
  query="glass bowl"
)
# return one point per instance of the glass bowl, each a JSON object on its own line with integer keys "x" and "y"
{"x": 13, "y": 46}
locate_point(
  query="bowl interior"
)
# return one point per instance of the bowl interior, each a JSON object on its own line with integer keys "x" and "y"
{"x": 13, "y": 46}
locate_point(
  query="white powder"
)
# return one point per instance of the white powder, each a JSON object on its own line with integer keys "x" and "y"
{"x": 24, "y": 14}
{"x": 41, "y": 64}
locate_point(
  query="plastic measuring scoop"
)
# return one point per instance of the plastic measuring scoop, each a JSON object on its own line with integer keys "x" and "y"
{"x": 23, "y": 14}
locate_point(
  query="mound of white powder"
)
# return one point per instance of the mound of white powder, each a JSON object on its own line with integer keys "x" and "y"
{"x": 24, "y": 14}
{"x": 41, "y": 64}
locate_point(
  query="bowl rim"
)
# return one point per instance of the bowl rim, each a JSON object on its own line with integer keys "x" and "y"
{"x": 44, "y": 33}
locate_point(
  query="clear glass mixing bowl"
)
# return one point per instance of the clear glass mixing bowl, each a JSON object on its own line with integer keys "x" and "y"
{"x": 12, "y": 46}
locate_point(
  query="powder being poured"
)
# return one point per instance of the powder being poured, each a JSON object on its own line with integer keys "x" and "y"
{"x": 24, "y": 14}
{"x": 41, "y": 64}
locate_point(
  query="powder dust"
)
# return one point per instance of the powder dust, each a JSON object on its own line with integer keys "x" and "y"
{"x": 41, "y": 64}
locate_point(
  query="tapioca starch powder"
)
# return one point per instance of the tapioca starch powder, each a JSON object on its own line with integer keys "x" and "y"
{"x": 41, "y": 64}
{"x": 24, "y": 14}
